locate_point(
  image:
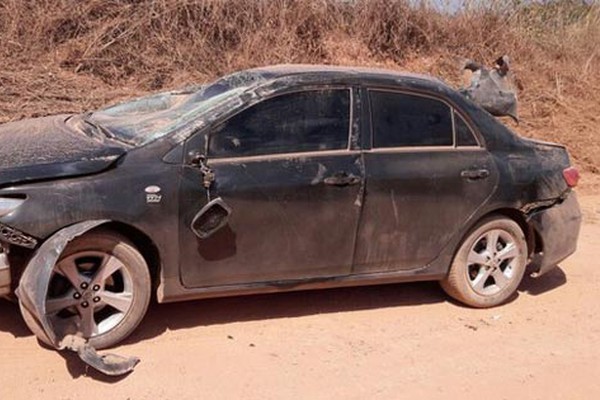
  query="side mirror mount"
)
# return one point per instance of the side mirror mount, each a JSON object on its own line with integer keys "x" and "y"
{"x": 212, "y": 217}
{"x": 198, "y": 160}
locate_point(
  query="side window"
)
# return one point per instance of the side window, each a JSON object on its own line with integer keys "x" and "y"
{"x": 401, "y": 119}
{"x": 297, "y": 122}
{"x": 464, "y": 135}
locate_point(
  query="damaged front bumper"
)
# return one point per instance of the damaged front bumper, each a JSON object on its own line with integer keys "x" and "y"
{"x": 4, "y": 272}
{"x": 557, "y": 229}
{"x": 10, "y": 236}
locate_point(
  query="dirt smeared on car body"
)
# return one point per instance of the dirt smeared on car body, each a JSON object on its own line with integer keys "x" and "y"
{"x": 208, "y": 221}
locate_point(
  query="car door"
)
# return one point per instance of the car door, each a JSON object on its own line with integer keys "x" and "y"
{"x": 286, "y": 169}
{"x": 426, "y": 175}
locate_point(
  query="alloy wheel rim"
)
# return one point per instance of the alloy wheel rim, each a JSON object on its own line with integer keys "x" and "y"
{"x": 89, "y": 291}
{"x": 491, "y": 262}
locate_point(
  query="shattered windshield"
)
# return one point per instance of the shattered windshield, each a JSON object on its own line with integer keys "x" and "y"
{"x": 143, "y": 120}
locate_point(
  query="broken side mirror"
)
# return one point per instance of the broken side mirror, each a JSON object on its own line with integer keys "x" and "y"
{"x": 212, "y": 217}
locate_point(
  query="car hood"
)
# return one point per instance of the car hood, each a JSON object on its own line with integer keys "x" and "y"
{"x": 48, "y": 147}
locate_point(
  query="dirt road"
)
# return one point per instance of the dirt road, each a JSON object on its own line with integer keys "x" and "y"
{"x": 387, "y": 342}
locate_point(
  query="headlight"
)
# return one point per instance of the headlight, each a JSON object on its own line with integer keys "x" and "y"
{"x": 9, "y": 204}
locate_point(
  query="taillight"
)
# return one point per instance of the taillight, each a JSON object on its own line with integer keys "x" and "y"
{"x": 571, "y": 176}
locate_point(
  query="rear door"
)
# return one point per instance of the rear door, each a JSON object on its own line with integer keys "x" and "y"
{"x": 426, "y": 173}
{"x": 286, "y": 168}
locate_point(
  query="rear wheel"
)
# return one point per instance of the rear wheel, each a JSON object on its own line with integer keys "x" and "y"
{"x": 100, "y": 286}
{"x": 489, "y": 264}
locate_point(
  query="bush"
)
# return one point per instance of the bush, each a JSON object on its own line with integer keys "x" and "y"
{"x": 69, "y": 55}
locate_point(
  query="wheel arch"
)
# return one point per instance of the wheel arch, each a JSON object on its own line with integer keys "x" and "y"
{"x": 142, "y": 242}
{"x": 458, "y": 285}
{"x": 531, "y": 236}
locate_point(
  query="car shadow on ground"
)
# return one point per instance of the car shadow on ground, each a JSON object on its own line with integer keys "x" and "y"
{"x": 174, "y": 316}
{"x": 163, "y": 317}
{"x": 551, "y": 280}
{"x": 11, "y": 321}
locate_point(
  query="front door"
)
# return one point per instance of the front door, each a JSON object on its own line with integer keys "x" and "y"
{"x": 285, "y": 168}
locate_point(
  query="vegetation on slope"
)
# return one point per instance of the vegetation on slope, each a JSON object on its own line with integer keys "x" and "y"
{"x": 71, "y": 55}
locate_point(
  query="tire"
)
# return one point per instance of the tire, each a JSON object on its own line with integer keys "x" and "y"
{"x": 117, "y": 302}
{"x": 489, "y": 264}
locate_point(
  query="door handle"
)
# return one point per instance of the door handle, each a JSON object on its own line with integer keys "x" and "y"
{"x": 473, "y": 174}
{"x": 342, "y": 179}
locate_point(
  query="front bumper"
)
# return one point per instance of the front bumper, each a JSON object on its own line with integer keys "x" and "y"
{"x": 11, "y": 237}
{"x": 4, "y": 273}
{"x": 558, "y": 229}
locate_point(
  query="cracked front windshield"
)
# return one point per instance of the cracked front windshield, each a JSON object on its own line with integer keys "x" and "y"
{"x": 143, "y": 120}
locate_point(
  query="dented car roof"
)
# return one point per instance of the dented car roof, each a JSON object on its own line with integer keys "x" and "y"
{"x": 282, "y": 70}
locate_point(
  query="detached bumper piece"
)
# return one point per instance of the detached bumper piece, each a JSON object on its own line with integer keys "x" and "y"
{"x": 108, "y": 364}
{"x": 33, "y": 291}
{"x": 558, "y": 227}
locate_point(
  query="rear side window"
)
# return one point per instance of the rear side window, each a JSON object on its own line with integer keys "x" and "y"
{"x": 401, "y": 119}
{"x": 297, "y": 122}
{"x": 464, "y": 135}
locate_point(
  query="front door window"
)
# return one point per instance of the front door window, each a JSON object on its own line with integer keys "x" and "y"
{"x": 313, "y": 120}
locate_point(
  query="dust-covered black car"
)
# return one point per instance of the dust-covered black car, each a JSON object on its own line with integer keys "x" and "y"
{"x": 273, "y": 179}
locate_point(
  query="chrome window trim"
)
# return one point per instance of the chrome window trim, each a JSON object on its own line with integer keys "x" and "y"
{"x": 284, "y": 156}
{"x": 476, "y": 137}
{"x": 347, "y": 150}
{"x": 351, "y": 118}
{"x": 420, "y": 149}
{"x": 454, "y": 136}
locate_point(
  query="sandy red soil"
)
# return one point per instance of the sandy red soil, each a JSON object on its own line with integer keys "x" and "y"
{"x": 385, "y": 342}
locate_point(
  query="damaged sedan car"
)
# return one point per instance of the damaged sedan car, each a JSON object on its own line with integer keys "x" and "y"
{"x": 268, "y": 180}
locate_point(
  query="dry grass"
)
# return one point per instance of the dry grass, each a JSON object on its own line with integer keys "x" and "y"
{"x": 70, "y": 55}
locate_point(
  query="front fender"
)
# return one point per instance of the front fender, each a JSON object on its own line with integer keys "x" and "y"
{"x": 33, "y": 286}
{"x": 32, "y": 292}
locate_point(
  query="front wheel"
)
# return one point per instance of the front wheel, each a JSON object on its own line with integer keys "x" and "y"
{"x": 100, "y": 286}
{"x": 489, "y": 265}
